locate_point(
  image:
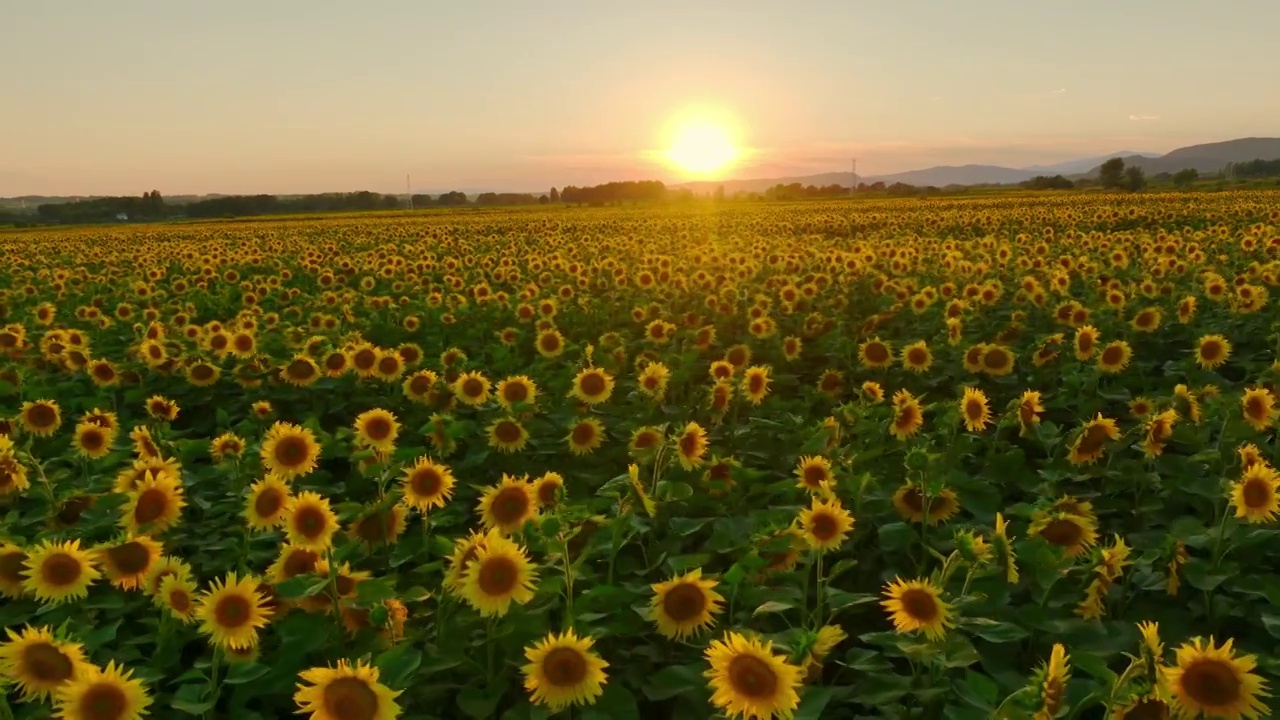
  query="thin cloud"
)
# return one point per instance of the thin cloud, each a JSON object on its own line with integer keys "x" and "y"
{"x": 1046, "y": 95}
{"x": 1144, "y": 118}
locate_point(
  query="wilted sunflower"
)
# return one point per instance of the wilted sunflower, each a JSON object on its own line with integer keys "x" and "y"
{"x": 109, "y": 693}
{"x": 499, "y": 575}
{"x": 471, "y": 388}
{"x": 1092, "y": 440}
{"x": 755, "y": 383}
{"x": 380, "y": 525}
{"x": 1186, "y": 402}
{"x": 516, "y": 391}
{"x": 232, "y": 610}
{"x": 1212, "y": 680}
{"x": 177, "y": 595}
{"x": 1053, "y": 682}
{"x": 1254, "y": 494}
{"x": 1159, "y": 428}
{"x": 909, "y": 501}
{"x": 154, "y": 504}
{"x": 93, "y": 441}
{"x": 825, "y": 640}
{"x": 872, "y": 392}
{"x": 347, "y": 692}
{"x": 691, "y": 446}
{"x": 1029, "y": 411}
{"x": 1258, "y": 406}
{"x": 162, "y": 408}
{"x": 427, "y": 484}
{"x": 563, "y": 671}
{"x": 585, "y": 436}
{"x": 1115, "y": 357}
{"x": 289, "y": 450}
{"x": 40, "y": 417}
{"x": 377, "y": 429}
{"x": 975, "y": 410}
{"x": 128, "y": 562}
{"x": 144, "y": 446}
{"x": 747, "y": 679}
{"x": 507, "y": 505}
{"x": 1212, "y": 351}
{"x": 268, "y": 499}
{"x": 685, "y": 605}
{"x": 40, "y": 663}
{"x": 813, "y": 473}
{"x": 917, "y": 605}
{"x": 825, "y": 523}
{"x": 908, "y": 416}
{"x": 1073, "y": 533}
{"x": 309, "y": 522}
{"x": 58, "y": 572}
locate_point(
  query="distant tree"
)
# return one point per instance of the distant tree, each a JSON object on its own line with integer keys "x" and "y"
{"x": 543, "y": 200}
{"x": 1134, "y": 178}
{"x": 1111, "y": 174}
{"x": 422, "y": 201}
{"x": 719, "y": 194}
{"x": 1185, "y": 178}
{"x": 555, "y": 195}
{"x": 1046, "y": 182}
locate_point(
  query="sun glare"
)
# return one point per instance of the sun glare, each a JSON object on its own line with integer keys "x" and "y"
{"x": 702, "y": 146}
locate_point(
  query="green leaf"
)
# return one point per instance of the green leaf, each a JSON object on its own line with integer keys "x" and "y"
{"x": 979, "y": 690}
{"x": 896, "y": 536}
{"x": 813, "y": 701}
{"x": 245, "y": 672}
{"x": 615, "y": 703}
{"x": 773, "y": 606}
{"x": 1272, "y": 624}
{"x": 301, "y": 586}
{"x": 374, "y": 591}
{"x": 673, "y": 680}
{"x": 1094, "y": 666}
{"x": 477, "y": 702}
{"x": 995, "y": 631}
{"x": 397, "y": 664}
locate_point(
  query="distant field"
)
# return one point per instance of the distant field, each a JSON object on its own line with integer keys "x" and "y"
{"x": 887, "y": 458}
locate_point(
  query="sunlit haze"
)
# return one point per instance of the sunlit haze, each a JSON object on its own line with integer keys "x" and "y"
{"x": 282, "y": 97}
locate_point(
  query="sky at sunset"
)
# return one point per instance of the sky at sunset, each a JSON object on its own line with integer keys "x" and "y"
{"x": 282, "y": 96}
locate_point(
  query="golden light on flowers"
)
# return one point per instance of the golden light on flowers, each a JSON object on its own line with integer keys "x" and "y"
{"x": 563, "y": 671}
{"x": 427, "y": 484}
{"x": 154, "y": 504}
{"x": 267, "y": 502}
{"x": 917, "y": 606}
{"x": 309, "y": 522}
{"x": 472, "y": 388}
{"x": 1254, "y": 495}
{"x": 1211, "y": 679}
{"x": 500, "y": 574}
{"x": 345, "y": 692}
{"x": 813, "y": 473}
{"x": 1212, "y": 351}
{"x": 592, "y": 386}
{"x": 128, "y": 562}
{"x": 40, "y": 417}
{"x": 109, "y": 693}
{"x": 1258, "y": 407}
{"x": 748, "y": 679}
{"x": 507, "y": 505}
{"x": 825, "y": 524}
{"x": 1091, "y": 442}
{"x": 585, "y": 436}
{"x": 289, "y": 450}
{"x": 975, "y": 410}
{"x": 57, "y": 572}
{"x": 232, "y": 611}
{"x": 685, "y": 605}
{"x": 908, "y": 416}
{"x": 755, "y": 383}
{"x": 38, "y": 662}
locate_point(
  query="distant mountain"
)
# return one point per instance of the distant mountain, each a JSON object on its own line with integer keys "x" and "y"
{"x": 944, "y": 175}
{"x": 1207, "y": 158}
{"x": 1071, "y": 167}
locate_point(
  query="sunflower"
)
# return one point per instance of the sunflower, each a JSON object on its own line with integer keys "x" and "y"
{"x": 997, "y": 360}
{"x": 420, "y": 386}
{"x": 550, "y": 343}
{"x": 389, "y": 367}
{"x": 1159, "y": 428}
{"x": 103, "y": 373}
{"x": 824, "y": 641}
{"x": 825, "y": 524}
{"x": 301, "y": 371}
{"x": 232, "y": 610}
{"x": 517, "y": 391}
{"x": 831, "y": 383}
{"x": 507, "y": 505}
{"x": 347, "y": 692}
{"x": 547, "y": 488}
{"x": 377, "y": 429}
{"x": 155, "y": 503}
{"x": 563, "y": 671}
{"x": 1086, "y": 342}
{"x": 1140, "y": 407}
{"x": 872, "y": 392}
{"x": 721, "y": 370}
{"x": 1091, "y": 443}
{"x": 109, "y": 693}
{"x": 755, "y": 383}
{"x": 1254, "y": 495}
{"x": 58, "y": 572}
{"x": 585, "y": 436}
{"x": 226, "y": 446}
{"x": 917, "y": 605}
{"x": 427, "y": 484}
{"x": 144, "y": 446}
{"x": 127, "y": 563}
{"x": 813, "y": 473}
{"x": 13, "y": 561}
{"x": 685, "y": 605}
{"x": 1029, "y": 411}
{"x": 164, "y": 566}
{"x": 916, "y": 357}
{"x": 738, "y": 356}
{"x": 13, "y": 475}
{"x": 1212, "y": 351}
{"x": 464, "y": 551}
{"x": 1054, "y": 678}
{"x": 162, "y": 408}
{"x": 289, "y": 450}
{"x": 908, "y": 416}
{"x": 747, "y": 679}
{"x": 592, "y": 386}
{"x": 177, "y": 594}
{"x": 93, "y": 441}
{"x": 267, "y": 502}
{"x": 292, "y": 562}
{"x": 645, "y": 441}
{"x": 500, "y": 574}
{"x": 40, "y": 417}
{"x": 40, "y": 663}
{"x": 720, "y": 395}
{"x": 309, "y": 522}
{"x": 1073, "y": 533}
{"x": 380, "y": 525}
{"x": 203, "y": 373}
{"x": 471, "y": 388}
{"x": 1212, "y": 680}
{"x": 1146, "y": 708}
{"x": 336, "y": 363}
{"x": 1258, "y": 406}
{"x": 691, "y": 446}
{"x": 1115, "y": 357}
{"x": 1186, "y": 402}
{"x": 975, "y": 410}
{"x": 909, "y": 501}
{"x": 653, "y": 380}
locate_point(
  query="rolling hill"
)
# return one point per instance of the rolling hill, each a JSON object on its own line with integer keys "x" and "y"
{"x": 1206, "y": 158}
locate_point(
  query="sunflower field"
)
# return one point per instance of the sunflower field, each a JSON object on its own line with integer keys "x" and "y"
{"x": 977, "y": 458}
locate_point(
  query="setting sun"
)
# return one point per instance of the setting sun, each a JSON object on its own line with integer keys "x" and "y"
{"x": 702, "y": 146}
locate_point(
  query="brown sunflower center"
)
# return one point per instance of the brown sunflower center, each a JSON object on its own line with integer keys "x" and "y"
{"x": 755, "y": 384}
{"x": 426, "y": 482}
{"x": 202, "y": 372}
{"x": 547, "y": 492}
{"x": 1255, "y": 407}
{"x": 345, "y": 584}
{"x": 549, "y": 343}
{"x": 472, "y": 387}
{"x": 103, "y": 372}
{"x": 689, "y": 444}
{"x": 1063, "y": 533}
{"x": 753, "y": 677}
{"x": 12, "y": 566}
{"x": 61, "y": 570}
{"x": 1148, "y": 709}
{"x": 1113, "y": 355}
{"x": 268, "y": 503}
{"x": 291, "y": 451}
{"x": 736, "y": 356}
{"x": 92, "y": 439}
{"x": 995, "y": 359}
{"x": 917, "y": 357}
{"x": 103, "y": 701}
{"x": 389, "y": 365}
{"x": 232, "y": 611}
{"x": 310, "y": 521}
{"x": 905, "y": 416}
{"x": 684, "y": 602}
{"x": 378, "y": 428}
{"x": 645, "y": 440}
{"x": 497, "y": 576}
{"x": 1093, "y": 439}
{"x": 919, "y": 604}
{"x": 131, "y": 558}
{"x": 877, "y": 352}
{"x": 300, "y": 370}
{"x": 419, "y": 385}
{"x": 349, "y": 698}
{"x": 42, "y": 415}
{"x": 299, "y": 561}
{"x": 375, "y": 527}
{"x": 47, "y": 663}
{"x": 1211, "y": 350}
{"x": 564, "y": 667}
{"x": 592, "y": 384}
{"x": 974, "y": 409}
{"x": 507, "y": 431}
{"x": 1211, "y": 682}
{"x": 365, "y": 359}
{"x": 179, "y": 600}
{"x": 823, "y": 526}
{"x": 814, "y": 474}
{"x": 152, "y": 503}
{"x": 583, "y": 433}
{"x": 1257, "y": 494}
{"x": 510, "y": 505}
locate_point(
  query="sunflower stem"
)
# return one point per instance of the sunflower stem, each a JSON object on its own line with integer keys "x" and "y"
{"x": 924, "y": 533}
{"x": 821, "y": 587}
{"x": 568, "y": 583}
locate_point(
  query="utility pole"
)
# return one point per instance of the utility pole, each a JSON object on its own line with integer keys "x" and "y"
{"x": 408, "y": 188}
{"x": 853, "y": 185}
